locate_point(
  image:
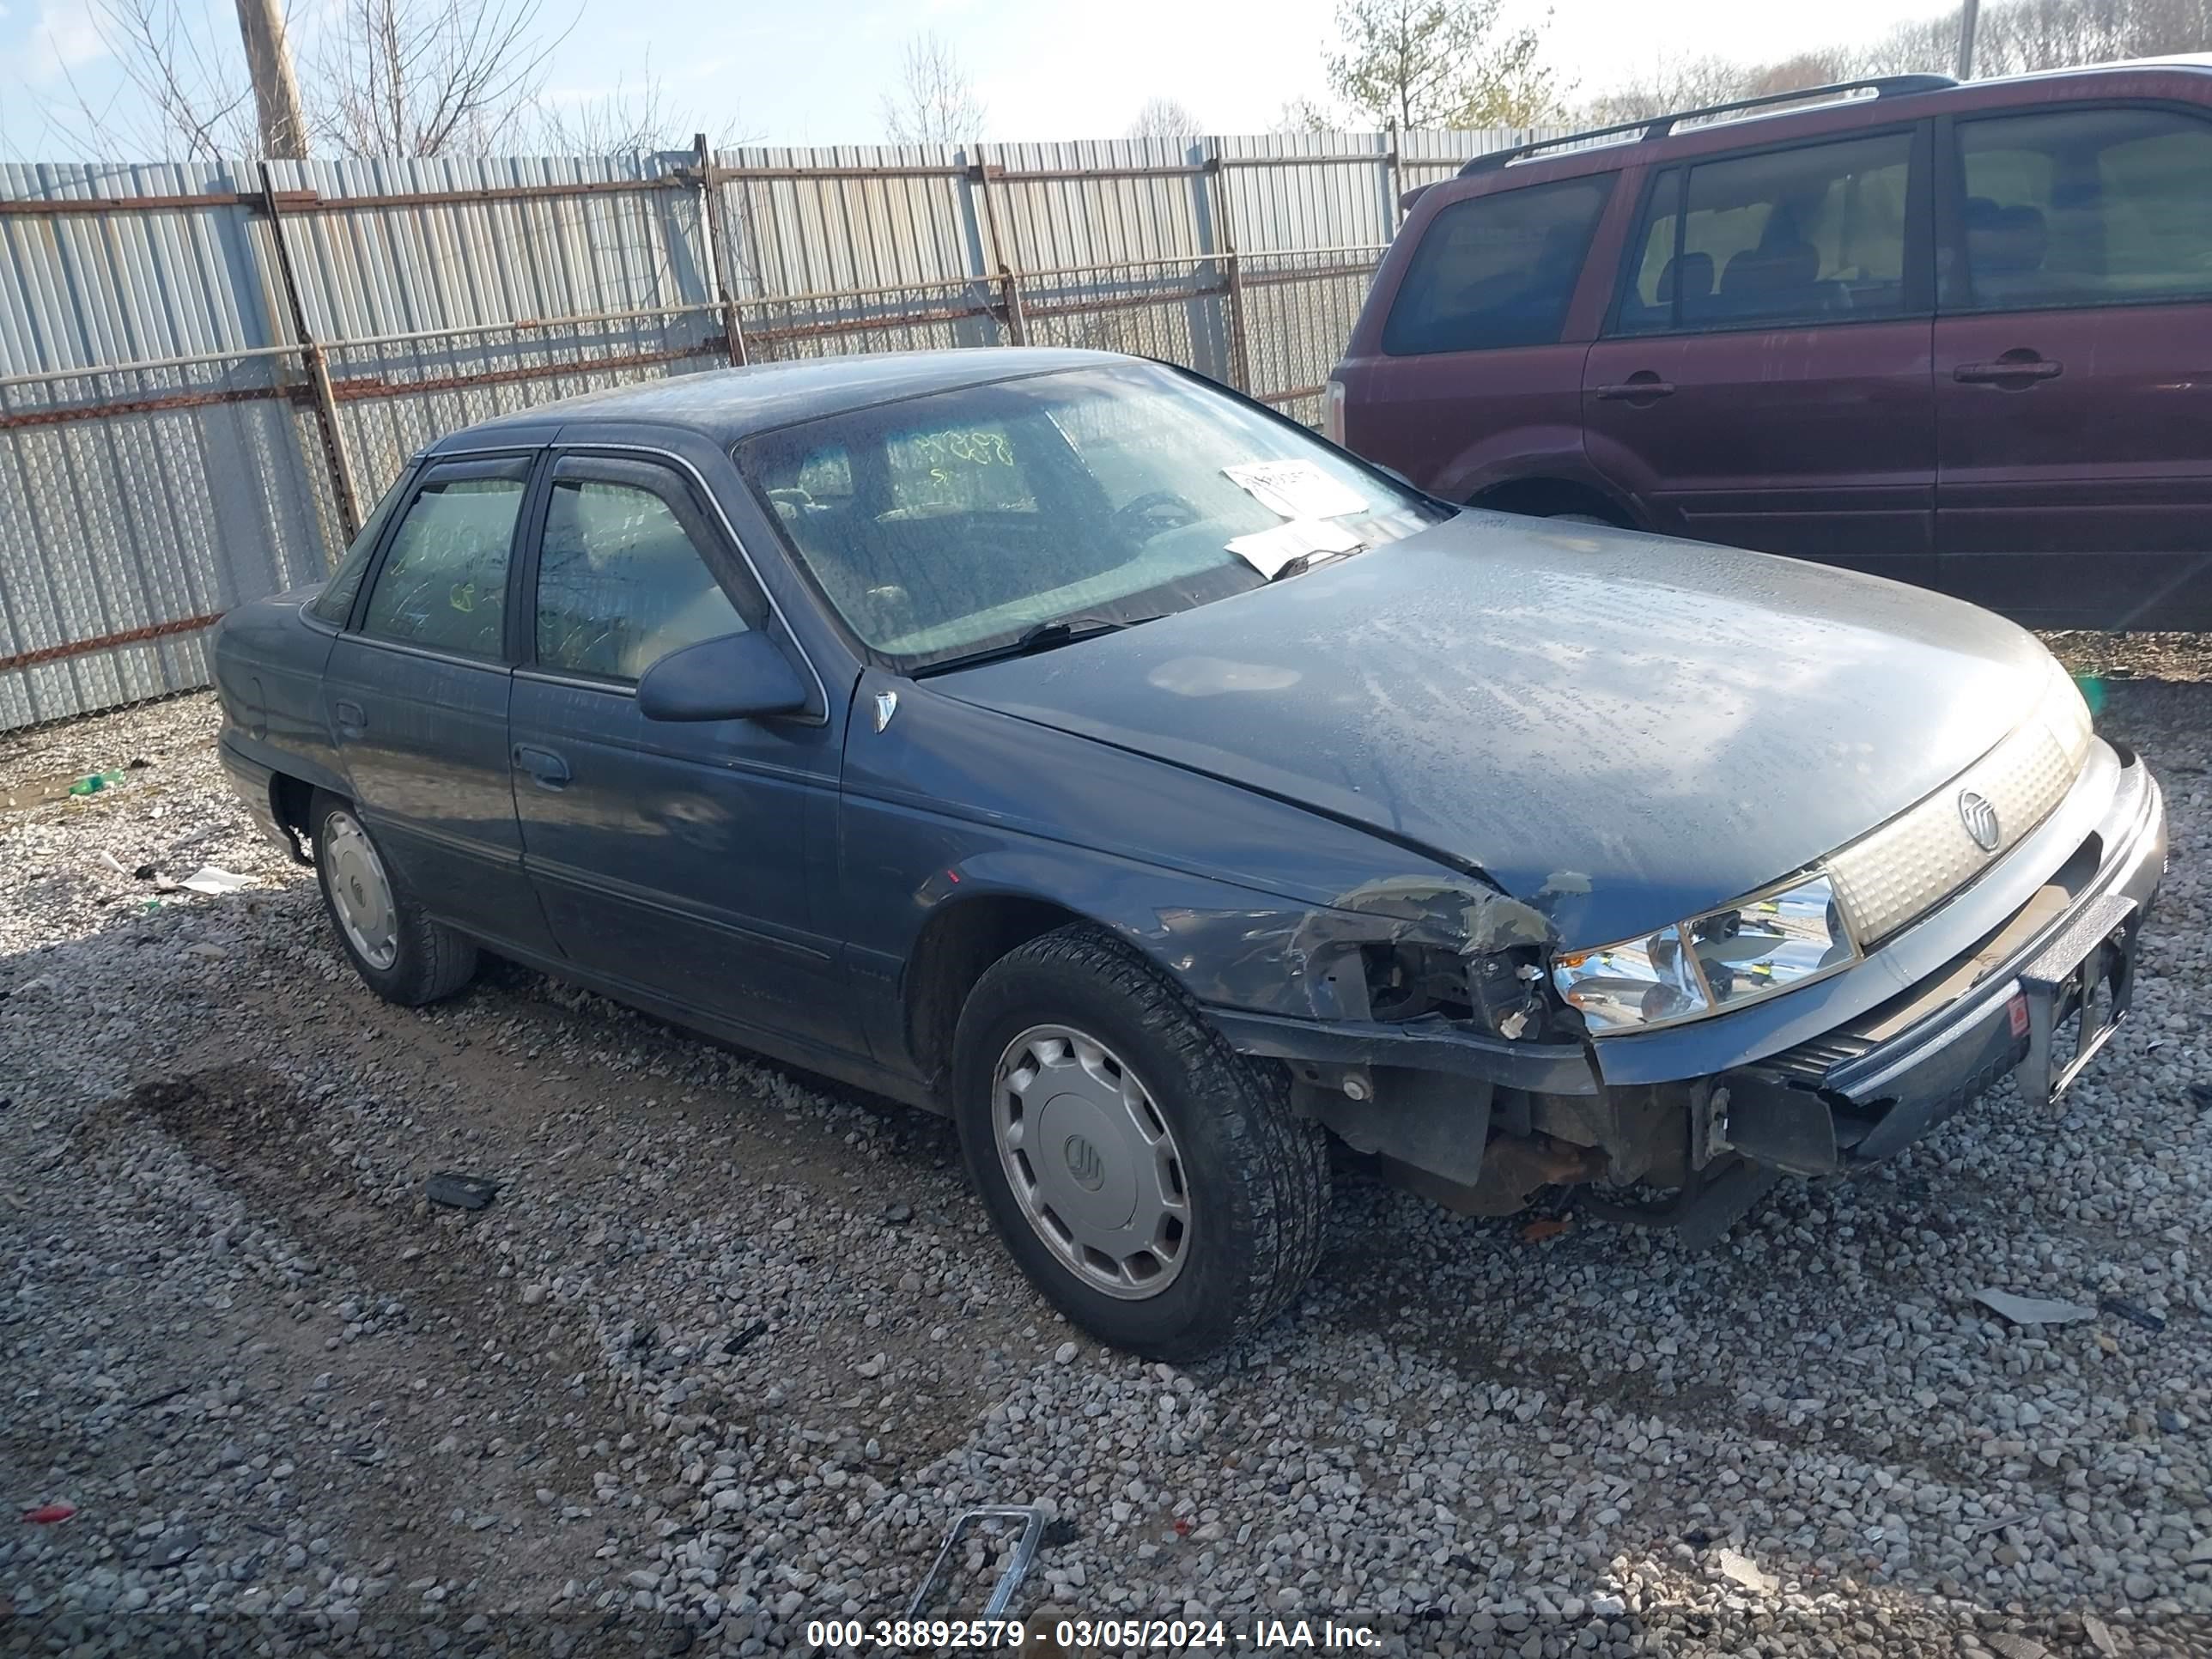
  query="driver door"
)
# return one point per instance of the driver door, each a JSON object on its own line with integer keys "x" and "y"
{"x": 678, "y": 858}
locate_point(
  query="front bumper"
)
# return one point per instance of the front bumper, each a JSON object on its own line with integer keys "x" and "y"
{"x": 2036, "y": 998}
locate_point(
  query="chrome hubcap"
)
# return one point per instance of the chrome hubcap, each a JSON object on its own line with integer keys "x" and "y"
{"x": 361, "y": 893}
{"x": 1092, "y": 1160}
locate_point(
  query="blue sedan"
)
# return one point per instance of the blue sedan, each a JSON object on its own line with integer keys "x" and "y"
{"x": 1061, "y": 742}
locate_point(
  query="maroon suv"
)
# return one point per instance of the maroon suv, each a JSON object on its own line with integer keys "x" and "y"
{"x": 1960, "y": 335}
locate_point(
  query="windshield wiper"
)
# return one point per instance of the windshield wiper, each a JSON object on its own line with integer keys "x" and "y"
{"x": 1305, "y": 561}
{"x": 1041, "y": 636}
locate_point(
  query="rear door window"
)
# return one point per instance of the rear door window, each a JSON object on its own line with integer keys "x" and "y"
{"x": 1815, "y": 235}
{"x": 2082, "y": 207}
{"x": 1498, "y": 271}
{"x": 443, "y": 582}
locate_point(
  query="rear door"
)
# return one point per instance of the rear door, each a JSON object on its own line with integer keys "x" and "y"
{"x": 2074, "y": 366}
{"x": 692, "y": 861}
{"x": 1765, "y": 379}
{"x": 416, "y": 695}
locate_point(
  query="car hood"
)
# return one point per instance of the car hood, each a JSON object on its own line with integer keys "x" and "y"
{"x": 1620, "y": 729}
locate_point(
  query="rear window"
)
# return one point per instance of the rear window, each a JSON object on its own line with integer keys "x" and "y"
{"x": 2072, "y": 207}
{"x": 1498, "y": 270}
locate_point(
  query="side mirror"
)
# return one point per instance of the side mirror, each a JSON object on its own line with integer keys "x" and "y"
{"x": 736, "y": 676}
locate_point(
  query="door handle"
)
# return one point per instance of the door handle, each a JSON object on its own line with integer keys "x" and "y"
{"x": 547, "y": 769}
{"x": 2013, "y": 369}
{"x": 1637, "y": 387}
{"x": 351, "y": 718}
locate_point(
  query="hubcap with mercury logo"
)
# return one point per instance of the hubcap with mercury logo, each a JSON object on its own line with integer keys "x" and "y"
{"x": 1092, "y": 1163}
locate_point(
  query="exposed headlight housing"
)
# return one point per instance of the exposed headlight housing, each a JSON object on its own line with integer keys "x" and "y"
{"x": 1774, "y": 941}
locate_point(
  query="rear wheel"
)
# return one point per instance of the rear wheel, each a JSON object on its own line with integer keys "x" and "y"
{"x": 399, "y": 953}
{"x": 1152, "y": 1182}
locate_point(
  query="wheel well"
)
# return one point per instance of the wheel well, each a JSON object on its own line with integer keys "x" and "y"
{"x": 288, "y": 798}
{"x": 291, "y": 801}
{"x": 1543, "y": 498}
{"x": 956, "y": 946}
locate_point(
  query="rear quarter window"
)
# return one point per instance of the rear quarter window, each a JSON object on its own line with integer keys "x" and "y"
{"x": 1498, "y": 270}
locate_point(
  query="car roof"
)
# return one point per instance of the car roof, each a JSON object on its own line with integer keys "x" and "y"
{"x": 730, "y": 403}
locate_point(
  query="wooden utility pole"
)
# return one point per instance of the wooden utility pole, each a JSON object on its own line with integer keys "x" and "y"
{"x": 1969, "y": 14}
{"x": 275, "y": 89}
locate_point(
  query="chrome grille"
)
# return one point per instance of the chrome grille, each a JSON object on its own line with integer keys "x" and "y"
{"x": 1895, "y": 874}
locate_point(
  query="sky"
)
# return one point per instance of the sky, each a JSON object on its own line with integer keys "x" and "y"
{"x": 813, "y": 72}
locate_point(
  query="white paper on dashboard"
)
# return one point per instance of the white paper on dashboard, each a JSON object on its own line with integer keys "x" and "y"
{"x": 1268, "y": 551}
{"x": 1297, "y": 490}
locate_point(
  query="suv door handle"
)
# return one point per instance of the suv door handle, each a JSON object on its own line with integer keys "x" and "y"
{"x": 2013, "y": 369}
{"x": 547, "y": 769}
{"x": 1639, "y": 386}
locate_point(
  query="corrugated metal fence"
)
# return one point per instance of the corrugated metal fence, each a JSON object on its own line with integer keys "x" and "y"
{"x": 208, "y": 374}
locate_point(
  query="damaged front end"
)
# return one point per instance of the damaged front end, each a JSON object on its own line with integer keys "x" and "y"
{"x": 1445, "y": 1037}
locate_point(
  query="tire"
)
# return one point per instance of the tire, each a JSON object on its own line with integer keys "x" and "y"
{"x": 1253, "y": 1175}
{"x": 412, "y": 961}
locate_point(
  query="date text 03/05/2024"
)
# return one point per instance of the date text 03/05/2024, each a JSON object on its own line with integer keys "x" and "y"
{"x": 1086, "y": 1635}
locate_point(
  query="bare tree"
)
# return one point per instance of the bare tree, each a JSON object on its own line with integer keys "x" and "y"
{"x": 427, "y": 77}
{"x": 1438, "y": 64}
{"x": 2013, "y": 37}
{"x": 1304, "y": 115}
{"x": 190, "y": 75}
{"x": 378, "y": 78}
{"x": 632, "y": 115}
{"x": 934, "y": 101}
{"x": 1164, "y": 117}
{"x": 1671, "y": 85}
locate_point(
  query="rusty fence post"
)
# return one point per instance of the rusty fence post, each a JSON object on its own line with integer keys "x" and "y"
{"x": 718, "y": 250}
{"x": 336, "y": 457}
{"x": 1010, "y": 290}
{"x": 1240, "y": 355}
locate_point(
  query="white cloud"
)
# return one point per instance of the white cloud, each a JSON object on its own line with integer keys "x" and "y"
{"x": 64, "y": 38}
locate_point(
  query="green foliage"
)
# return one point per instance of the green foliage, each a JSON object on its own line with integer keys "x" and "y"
{"x": 1440, "y": 63}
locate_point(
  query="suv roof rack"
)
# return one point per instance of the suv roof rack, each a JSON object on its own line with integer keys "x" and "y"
{"x": 1658, "y": 126}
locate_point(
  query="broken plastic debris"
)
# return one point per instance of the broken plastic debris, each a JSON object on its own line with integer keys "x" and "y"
{"x": 46, "y": 1514}
{"x": 2033, "y": 1309}
{"x": 93, "y": 783}
{"x": 463, "y": 1192}
{"x": 1543, "y": 1227}
{"x": 1031, "y": 1520}
{"x": 1748, "y": 1573}
{"x": 211, "y": 879}
{"x": 2133, "y": 1312}
{"x": 112, "y": 862}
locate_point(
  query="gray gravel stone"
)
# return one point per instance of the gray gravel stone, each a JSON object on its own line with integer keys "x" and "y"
{"x": 683, "y": 1377}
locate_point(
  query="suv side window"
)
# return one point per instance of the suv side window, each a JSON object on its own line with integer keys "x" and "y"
{"x": 2083, "y": 207}
{"x": 443, "y": 584}
{"x": 1498, "y": 270}
{"x": 1815, "y": 235}
{"x": 621, "y": 581}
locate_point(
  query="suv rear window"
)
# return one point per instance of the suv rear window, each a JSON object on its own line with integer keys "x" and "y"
{"x": 1498, "y": 270}
{"x": 1809, "y": 235}
{"x": 2085, "y": 207}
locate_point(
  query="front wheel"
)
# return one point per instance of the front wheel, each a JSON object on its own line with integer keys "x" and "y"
{"x": 1152, "y": 1182}
{"x": 399, "y": 953}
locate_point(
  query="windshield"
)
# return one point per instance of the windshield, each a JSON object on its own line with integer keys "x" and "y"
{"x": 951, "y": 526}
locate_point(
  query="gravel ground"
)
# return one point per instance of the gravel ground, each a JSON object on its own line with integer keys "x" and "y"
{"x": 732, "y": 1346}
